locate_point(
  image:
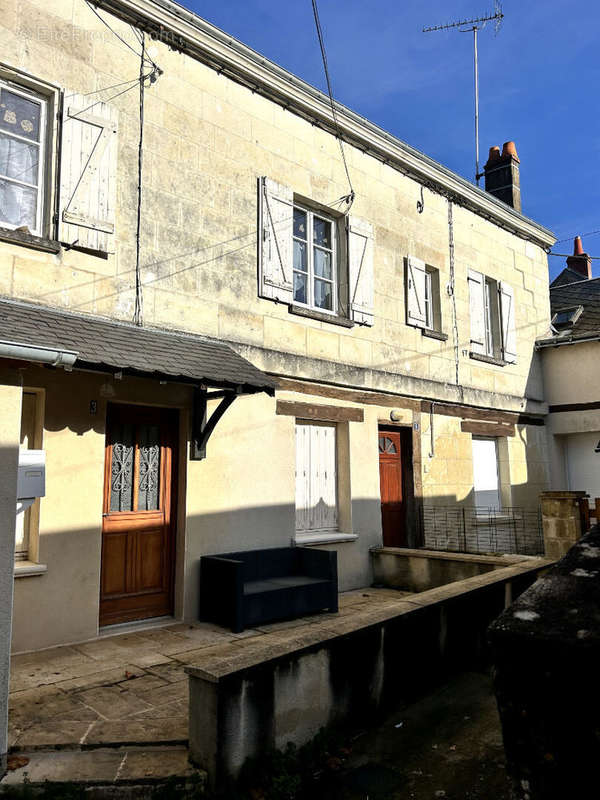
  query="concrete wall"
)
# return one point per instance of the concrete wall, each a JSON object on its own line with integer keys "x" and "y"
{"x": 421, "y": 570}
{"x": 10, "y": 426}
{"x": 339, "y": 672}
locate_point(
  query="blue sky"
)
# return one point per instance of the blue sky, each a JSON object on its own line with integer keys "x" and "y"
{"x": 538, "y": 85}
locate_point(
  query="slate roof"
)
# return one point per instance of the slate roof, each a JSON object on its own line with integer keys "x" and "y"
{"x": 566, "y": 276}
{"x": 584, "y": 293}
{"x": 106, "y": 343}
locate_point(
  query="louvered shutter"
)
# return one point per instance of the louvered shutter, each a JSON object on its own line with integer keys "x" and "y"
{"x": 302, "y": 477}
{"x": 88, "y": 173}
{"x": 316, "y": 477}
{"x": 361, "y": 288}
{"x": 416, "y": 313}
{"x": 323, "y": 489}
{"x": 477, "y": 311}
{"x": 507, "y": 312}
{"x": 276, "y": 203}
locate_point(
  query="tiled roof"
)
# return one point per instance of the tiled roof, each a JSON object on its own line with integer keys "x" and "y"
{"x": 584, "y": 293}
{"x": 102, "y": 342}
{"x": 566, "y": 276}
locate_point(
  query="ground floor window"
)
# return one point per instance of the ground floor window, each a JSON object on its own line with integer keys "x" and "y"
{"x": 316, "y": 477}
{"x": 31, "y": 439}
{"x": 486, "y": 481}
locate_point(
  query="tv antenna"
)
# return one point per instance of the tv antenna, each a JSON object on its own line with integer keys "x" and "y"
{"x": 475, "y": 25}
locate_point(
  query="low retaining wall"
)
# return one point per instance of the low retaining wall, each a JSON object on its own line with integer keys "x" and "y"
{"x": 420, "y": 570}
{"x": 349, "y": 670}
{"x": 546, "y": 652}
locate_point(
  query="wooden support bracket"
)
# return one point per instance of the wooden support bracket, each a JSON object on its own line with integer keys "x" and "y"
{"x": 202, "y": 427}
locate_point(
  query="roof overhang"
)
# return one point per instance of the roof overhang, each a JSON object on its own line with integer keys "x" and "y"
{"x": 79, "y": 341}
{"x": 187, "y": 32}
{"x": 558, "y": 341}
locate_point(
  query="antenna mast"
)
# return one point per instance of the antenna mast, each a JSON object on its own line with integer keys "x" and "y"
{"x": 475, "y": 25}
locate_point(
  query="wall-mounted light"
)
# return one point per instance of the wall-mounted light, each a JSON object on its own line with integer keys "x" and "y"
{"x": 395, "y": 415}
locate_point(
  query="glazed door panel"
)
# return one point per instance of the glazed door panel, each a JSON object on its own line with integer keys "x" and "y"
{"x": 393, "y": 511}
{"x": 138, "y": 518}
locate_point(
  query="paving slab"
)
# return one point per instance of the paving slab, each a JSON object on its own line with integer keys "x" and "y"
{"x": 113, "y": 702}
{"x": 172, "y": 730}
{"x": 104, "y": 771}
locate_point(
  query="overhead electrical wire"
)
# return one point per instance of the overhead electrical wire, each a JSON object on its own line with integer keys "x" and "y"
{"x": 568, "y": 238}
{"x": 350, "y": 197}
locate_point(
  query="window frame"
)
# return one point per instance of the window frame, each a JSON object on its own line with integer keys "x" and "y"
{"x": 311, "y": 214}
{"x": 493, "y": 439}
{"x": 492, "y": 318}
{"x": 31, "y": 516}
{"x": 43, "y": 145}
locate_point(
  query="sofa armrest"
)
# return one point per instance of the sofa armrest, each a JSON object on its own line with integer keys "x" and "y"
{"x": 221, "y": 591}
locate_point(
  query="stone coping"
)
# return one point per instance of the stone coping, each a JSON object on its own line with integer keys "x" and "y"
{"x": 444, "y": 555}
{"x": 225, "y": 661}
{"x": 561, "y": 607}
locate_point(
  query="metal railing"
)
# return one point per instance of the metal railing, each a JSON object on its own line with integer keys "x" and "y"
{"x": 482, "y": 530}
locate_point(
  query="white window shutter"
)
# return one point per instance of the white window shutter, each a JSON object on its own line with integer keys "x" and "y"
{"x": 507, "y": 311}
{"x": 302, "y": 477}
{"x": 361, "y": 286}
{"x": 323, "y": 483}
{"x": 477, "y": 311}
{"x": 276, "y": 248}
{"x": 88, "y": 173}
{"x": 416, "y": 313}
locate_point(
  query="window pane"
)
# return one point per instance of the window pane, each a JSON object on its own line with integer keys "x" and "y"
{"x": 322, "y": 263}
{"x": 18, "y": 160}
{"x": 121, "y": 474}
{"x": 486, "y": 486}
{"x": 323, "y": 295}
{"x": 149, "y": 478}
{"x": 18, "y": 205}
{"x": 300, "y": 255}
{"x": 299, "y": 223}
{"x": 300, "y": 287}
{"x": 20, "y": 115}
{"x": 322, "y": 232}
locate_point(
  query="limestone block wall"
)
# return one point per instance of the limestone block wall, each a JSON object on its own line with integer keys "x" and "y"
{"x": 206, "y": 141}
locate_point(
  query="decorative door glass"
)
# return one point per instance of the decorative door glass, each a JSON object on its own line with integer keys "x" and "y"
{"x": 121, "y": 474}
{"x": 149, "y": 473}
{"x": 386, "y": 445}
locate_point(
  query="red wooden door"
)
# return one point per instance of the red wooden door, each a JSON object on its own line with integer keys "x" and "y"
{"x": 393, "y": 511}
{"x": 138, "y": 515}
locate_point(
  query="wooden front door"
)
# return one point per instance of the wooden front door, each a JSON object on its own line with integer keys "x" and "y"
{"x": 138, "y": 520}
{"x": 393, "y": 507}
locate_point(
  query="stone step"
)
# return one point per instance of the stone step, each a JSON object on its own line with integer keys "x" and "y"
{"x": 125, "y": 773}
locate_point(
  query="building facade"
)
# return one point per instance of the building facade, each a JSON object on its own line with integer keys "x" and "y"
{"x": 377, "y": 339}
{"x": 568, "y": 353}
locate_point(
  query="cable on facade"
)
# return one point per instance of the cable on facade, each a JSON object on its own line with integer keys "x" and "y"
{"x": 138, "y": 313}
{"x": 349, "y": 198}
{"x": 121, "y": 39}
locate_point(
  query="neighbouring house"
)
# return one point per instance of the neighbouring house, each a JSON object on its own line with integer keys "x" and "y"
{"x": 569, "y": 353}
{"x": 235, "y": 351}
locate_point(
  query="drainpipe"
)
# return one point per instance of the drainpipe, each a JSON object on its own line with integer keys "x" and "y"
{"x": 10, "y": 425}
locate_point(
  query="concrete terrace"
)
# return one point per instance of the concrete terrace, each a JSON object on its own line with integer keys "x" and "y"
{"x": 131, "y": 688}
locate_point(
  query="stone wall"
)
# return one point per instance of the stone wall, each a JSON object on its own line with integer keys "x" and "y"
{"x": 546, "y": 652}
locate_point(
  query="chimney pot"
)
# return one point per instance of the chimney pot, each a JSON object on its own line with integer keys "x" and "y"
{"x": 494, "y": 153}
{"x": 580, "y": 261}
{"x": 509, "y": 149}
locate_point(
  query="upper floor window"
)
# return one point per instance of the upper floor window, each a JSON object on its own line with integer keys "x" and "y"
{"x": 492, "y": 313}
{"x": 22, "y": 155}
{"x": 315, "y": 264}
{"x": 423, "y": 307}
{"x": 318, "y": 263}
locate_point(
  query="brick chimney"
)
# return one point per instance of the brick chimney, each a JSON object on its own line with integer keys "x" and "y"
{"x": 580, "y": 262}
{"x": 502, "y": 177}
